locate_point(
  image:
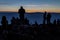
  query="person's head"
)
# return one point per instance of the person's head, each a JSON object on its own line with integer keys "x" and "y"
{"x": 21, "y": 7}
{"x": 3, "y": 18}
{"x": 45, "y": 12}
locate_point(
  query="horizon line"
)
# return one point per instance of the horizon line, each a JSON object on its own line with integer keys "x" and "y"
{"x": 31, "y": 12}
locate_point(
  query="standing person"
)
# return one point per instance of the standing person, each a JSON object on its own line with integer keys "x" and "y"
{"x": 4, "y": 23}
{"x": 44, "y": 16}
{"x": 48, "y": 18}
{"x": 21, "y": 12}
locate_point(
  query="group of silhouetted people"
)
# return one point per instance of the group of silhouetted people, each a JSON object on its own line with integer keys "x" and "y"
{"x": 47, "y": 17}
{"x": 20, "y": 29}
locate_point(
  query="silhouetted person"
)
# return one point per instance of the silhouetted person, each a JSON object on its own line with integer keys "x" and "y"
{"x": 21, "y": 12}
{"x": 26, "y": 21}
{"x": 48, "y": 18}
{"x": 4, "y": 22}
{"x": 44, "y": 16}
{"x": 36, "y": 24}
{"x": 58, "y": 21}
{"x": 17, "y": 21}
{"x": 13, "y": 21}
{"x": 54, "y": 22}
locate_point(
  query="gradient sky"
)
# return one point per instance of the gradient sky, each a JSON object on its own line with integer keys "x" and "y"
{"x": 30, "y": 5}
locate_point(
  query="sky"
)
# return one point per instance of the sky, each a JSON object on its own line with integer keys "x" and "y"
{"x": 30, "y": 5}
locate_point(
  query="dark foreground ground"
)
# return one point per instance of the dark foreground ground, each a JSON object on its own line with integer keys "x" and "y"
{"x": 31, "y": 32}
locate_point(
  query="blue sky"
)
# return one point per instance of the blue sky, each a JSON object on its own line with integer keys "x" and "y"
{"x": 35, "y": 5}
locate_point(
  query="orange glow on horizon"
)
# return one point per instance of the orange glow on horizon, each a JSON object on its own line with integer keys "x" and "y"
{"x": 31, "y": 10}
{"x": 58, "y": 11}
